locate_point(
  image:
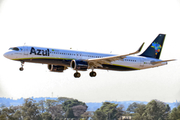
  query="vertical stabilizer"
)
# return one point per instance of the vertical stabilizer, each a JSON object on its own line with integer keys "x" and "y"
{"x": 155, "y": 48}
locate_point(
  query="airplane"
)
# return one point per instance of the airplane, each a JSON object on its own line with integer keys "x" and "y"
{"x": 59, "y": 60}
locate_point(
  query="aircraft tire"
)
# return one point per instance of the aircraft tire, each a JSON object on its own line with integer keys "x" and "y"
{"x": 77, "y": 75}
{"x": 21, "y": 68}
{"x": 92, "y": 74}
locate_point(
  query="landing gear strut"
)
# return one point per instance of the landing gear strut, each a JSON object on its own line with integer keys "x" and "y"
{"x": 22, "y": 64}
{"x": 92, "y": 74}
{"x": 77, "y": 74}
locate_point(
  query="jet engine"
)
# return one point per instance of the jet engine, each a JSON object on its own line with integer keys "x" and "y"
{"x": 56, "y": 68}
{"x": 79, "y": 65}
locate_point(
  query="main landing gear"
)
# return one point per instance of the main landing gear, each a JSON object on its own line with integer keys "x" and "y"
{"x": 92, "y": 74}
{"x": 78, "y": 75}
{"x": 22, "y": 64}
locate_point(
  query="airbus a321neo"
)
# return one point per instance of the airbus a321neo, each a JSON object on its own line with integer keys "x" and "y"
{"x": 59, "y": 60}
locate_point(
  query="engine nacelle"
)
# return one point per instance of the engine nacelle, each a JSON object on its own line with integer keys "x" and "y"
{"x": 56, "y": 68}
{"x": 79, "y": 65}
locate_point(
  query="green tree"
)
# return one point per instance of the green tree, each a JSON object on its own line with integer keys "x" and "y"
{"x": 11, "y": 113}
{"x": 87, "y": 115}
{"x": 175, "y": 114}
{"x": 120, "y": 111}
{"x": 8, "y": 113}
{"x": 17, "y": 112}
{"x": 30, "y": 110}
{"x": 99, "y": 115}
{"x": 41, "y": 106}
{"x": 108, "y": 110}
{"x": 57, "y": 112}
{"x": 51, "y": 107}
{"x": 69, "y": 104}
{"x": 50, "y": 103}
{"x": 78, "y": 110}
{"x": 131, "y": 108}
{"x": 61, "y": 100}
{"x": 156, "y": 110}
{"x": 46, "y": 116}
{"x": 2, "y": 117}
{"x": 69, "y": 113}
{"x": 137, "y": 110}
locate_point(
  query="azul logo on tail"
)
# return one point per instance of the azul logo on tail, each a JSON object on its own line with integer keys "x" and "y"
{"x": 157, "y": 47}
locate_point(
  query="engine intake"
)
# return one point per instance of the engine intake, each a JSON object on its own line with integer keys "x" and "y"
{"x": 56, "y": 68}
{"x": 79, "y": 65}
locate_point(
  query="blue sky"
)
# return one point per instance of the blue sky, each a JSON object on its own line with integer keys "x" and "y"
{"x": 98, "y": 26}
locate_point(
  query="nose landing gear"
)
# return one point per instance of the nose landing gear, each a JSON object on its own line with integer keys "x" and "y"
{"x": 22, "y": 64}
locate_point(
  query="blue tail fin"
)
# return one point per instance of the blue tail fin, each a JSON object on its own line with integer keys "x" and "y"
{"x": 155, "y": 48}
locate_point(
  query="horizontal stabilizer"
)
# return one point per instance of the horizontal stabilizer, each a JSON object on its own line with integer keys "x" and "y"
{"x": 162, "y": 61}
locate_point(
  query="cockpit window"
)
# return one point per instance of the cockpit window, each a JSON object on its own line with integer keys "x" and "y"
{"x": 14, "y": 48}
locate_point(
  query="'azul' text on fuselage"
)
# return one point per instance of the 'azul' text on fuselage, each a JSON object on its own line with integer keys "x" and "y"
{"x": 39, "y": 52}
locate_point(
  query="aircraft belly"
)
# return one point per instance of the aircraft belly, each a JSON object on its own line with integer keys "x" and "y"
{"x": 48, "y": 61}
{"x": 122, "y": 66}
{"x": 118, "y": 67}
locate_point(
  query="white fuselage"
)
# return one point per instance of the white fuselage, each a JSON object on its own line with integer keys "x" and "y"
{"x": 63, "y": 57}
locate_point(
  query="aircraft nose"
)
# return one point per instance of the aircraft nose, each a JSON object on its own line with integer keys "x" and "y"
{"x": 6, "y": 55}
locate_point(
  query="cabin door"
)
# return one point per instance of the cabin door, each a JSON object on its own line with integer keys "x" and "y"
{"x": 26, "y": 51}
{"x": 142, "y": 63}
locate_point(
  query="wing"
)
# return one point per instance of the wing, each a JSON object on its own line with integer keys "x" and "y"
{"x": 97, "y": 62}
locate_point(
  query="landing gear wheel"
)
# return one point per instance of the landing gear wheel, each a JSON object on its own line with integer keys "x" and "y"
{"x": 22, "y": 64}
{"x": 77, "y": 75}
{"x": 92, "y": 74}
{"x": 21, "y": 68}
